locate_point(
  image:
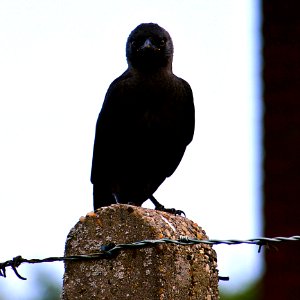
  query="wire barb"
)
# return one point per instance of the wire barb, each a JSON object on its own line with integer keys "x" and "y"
{"x": 111, "y": 251}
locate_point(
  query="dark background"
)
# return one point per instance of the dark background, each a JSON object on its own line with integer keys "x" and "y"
{"x": 281, "y": 96}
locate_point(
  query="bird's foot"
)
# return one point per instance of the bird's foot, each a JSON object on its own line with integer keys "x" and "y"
{"x": 176, "y": 212}
{"x": 160, "y": 207}
{"x": 116, "y": 197}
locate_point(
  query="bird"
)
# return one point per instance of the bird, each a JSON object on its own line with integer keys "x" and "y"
{"x": 145, "y": 124}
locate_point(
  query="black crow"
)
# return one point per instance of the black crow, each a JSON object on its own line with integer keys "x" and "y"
{"x": 146, "y": 122}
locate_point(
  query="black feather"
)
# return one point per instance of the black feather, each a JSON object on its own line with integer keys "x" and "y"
{"x": 145, "y": 124}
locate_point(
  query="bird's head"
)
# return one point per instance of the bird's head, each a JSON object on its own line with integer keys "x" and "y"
{"x": 149, "y": 47}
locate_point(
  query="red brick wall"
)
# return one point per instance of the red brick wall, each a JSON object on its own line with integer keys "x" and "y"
{"x": 281, "y": 75}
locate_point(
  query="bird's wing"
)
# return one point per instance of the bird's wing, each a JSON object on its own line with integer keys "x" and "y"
{"x": 185, "y": 133}
{"x": 110, "y": 127}
{"x": 189, "y": 113}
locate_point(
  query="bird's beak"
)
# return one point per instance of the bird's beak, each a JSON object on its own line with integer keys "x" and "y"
{"x": 147, "y": 44}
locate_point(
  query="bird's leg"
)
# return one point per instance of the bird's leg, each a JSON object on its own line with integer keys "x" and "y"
{"x": 160, "y": 207}
{"x": 116, "y": 197}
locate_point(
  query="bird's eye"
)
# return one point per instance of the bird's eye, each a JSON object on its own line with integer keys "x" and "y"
{"x": 162, "y": 42}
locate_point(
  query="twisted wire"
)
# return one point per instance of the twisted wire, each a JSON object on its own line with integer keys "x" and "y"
{"x": 111, "y": 251}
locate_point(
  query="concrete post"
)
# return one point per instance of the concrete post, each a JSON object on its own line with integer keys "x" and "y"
{"x": 166, "y": 271}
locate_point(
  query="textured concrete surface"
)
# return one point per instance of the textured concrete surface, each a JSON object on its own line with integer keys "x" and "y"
{"x": 166, "y": 271}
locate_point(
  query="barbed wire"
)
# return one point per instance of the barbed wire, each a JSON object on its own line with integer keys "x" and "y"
{"x": 112, "y": 250}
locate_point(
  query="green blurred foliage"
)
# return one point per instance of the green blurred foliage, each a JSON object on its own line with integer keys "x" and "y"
{"x": 48, "y": 288}
{"x": 251, "y": 292}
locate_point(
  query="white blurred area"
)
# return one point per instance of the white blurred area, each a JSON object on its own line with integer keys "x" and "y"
{"x": 57, "y": 59}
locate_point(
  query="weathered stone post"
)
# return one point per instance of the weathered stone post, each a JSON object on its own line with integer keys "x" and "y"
{"x": 166, "y": 271}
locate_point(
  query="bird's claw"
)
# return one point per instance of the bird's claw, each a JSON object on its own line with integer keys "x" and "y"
{"x": 173, "y": 211}
{"x": 160, "y": 207}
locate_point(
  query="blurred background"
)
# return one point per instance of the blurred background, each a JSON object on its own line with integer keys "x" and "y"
{"x": 241, "y": 58}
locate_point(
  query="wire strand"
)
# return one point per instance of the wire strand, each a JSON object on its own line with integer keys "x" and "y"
{"x": 111, "y": 251}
